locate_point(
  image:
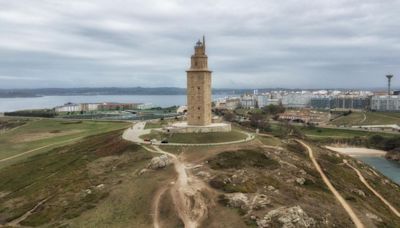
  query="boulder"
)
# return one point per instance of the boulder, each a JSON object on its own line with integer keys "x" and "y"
{"x": 237, "y": 200}
{"x": 261, "y": 201}
{"x": 159, "y": 162}
{"x": 286, "y": 217}
{"x": 300, "y": 180}
{"x": 359, "y": 192}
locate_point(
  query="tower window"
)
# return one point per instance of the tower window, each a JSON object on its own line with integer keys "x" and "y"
{"x": 198, "y": 108}
{"x": 198, "y": 87}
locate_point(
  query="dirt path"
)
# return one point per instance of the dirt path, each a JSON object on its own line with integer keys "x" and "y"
{"x": 186, "y": 193}
{"x": 156, "y": 207}
{"x": 362, "y": 179}
{"x": 337, "y": 195}
{"x": 364, "y": 118}
{"x": 15, "y": 222}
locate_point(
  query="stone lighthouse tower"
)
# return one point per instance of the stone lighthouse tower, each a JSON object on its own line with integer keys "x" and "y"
{"x": 199, "y": 87}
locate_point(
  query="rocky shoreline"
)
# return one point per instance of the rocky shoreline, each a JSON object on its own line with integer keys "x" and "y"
{"x": 393, "y": 156}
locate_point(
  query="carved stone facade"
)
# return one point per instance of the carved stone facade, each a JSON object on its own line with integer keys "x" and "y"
{"x": 199, "y": 88}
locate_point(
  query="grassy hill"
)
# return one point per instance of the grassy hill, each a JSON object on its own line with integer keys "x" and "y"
{"x": 367, "y": 118}
{"x": 47, "y": 134}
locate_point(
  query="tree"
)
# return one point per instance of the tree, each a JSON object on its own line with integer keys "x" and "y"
{"x": 229, "y": 116}
{"x": 259, "y": 121}
{"x": 273, "y": 110}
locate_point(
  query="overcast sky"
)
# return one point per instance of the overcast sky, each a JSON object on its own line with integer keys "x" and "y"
{"x": 253, "y": 43}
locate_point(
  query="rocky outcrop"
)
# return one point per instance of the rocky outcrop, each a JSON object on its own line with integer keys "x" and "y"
{"x": 237, "y": 200}
{"x": 286, "y": 217}
{"x": 392, "y": 155}
{"x": 159, "y": 162}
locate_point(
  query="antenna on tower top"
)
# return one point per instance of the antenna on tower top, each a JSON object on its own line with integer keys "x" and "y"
{"x": 204, "y": 42}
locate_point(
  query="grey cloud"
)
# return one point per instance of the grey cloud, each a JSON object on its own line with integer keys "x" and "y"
{"x": 256, "y": 43}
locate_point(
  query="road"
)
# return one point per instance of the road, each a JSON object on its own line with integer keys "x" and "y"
{"x": 337, "y": 195}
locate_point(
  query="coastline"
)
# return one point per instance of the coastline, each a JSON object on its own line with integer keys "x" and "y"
{"x": 358, "y": 151}
{"x": 374, "y": 158}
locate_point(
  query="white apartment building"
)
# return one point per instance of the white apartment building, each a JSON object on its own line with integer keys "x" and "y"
{"x": 297, "y": 100}
{"x": 385, "y": 103}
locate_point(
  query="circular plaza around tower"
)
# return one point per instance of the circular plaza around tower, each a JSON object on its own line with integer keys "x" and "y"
{"x": 184, "y": 127}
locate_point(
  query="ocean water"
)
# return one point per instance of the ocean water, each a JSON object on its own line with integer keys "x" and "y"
{"x": 13, "y": 104}
{"x": 390, "y": 169}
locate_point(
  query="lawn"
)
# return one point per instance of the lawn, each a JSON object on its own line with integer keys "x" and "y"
{"x": 372, "y": 118}
{"x": 354, "y": 118}
{"x": 153, "y": 125}
{"x": 50, "y": 134}
{"x": 193, "y": 138}
{"x": 316, "y": 133}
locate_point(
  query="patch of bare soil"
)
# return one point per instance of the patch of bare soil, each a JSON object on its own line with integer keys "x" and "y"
{"x": 29, "y": 137}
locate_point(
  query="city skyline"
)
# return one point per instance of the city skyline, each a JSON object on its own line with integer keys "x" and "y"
{"x": 330, "y": 44}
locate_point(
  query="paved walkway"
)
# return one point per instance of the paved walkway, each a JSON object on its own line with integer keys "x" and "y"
{"x": 337, "y": 195}
{"x": 133, "y": 134}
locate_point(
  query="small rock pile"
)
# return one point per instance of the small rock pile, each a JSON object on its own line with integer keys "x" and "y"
{"x": 159, "y": 162}
{"x": 287, "y": 217}
{"x": 237, "y": 200}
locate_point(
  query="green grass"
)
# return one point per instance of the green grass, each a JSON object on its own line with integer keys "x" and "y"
{"x": 242, "y": 158}
{"x": 351, "y": 119}
{"x": 44, "y": 132}
{"x": 193, "y": 138}
{"x": 270, "y": 141}
{"x": 245, "y": 112}
{"x": 60, "y": 176}
{"x": 318, "y": 133}
{"x": 372, "y": 118}
{"x": 151, "y": 125}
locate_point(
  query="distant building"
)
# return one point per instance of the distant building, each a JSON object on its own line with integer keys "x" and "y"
{"x": 267, "y": 99}
{"x": 248, "y": 101}
{"x": 69, "y": 107}
{"x": 350, "y": 102}
{"x": 385, "y": 103}
{"x": 117, "y": 106}
{"x": 263, "y": 100}
{"x": 297, "y": 100}
{"x": 322, "y": 102}
{"x": 228, "y": 103}
{"x": 143, "y": 106}
{"x": 340, "y": 102}
{"x": 89, "y": 106}
{"x": 305, "y": 116}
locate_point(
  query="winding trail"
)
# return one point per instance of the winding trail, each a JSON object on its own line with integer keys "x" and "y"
{"x": 156, "y": 207}
{"x": 15, "y": 222}
{"x": 187, "y": 193}
{"x": 362, "y": 179}
{"x": 364, "y": 118}
{"x": 337, "y": 195}
{"x": 187, "y": 190}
